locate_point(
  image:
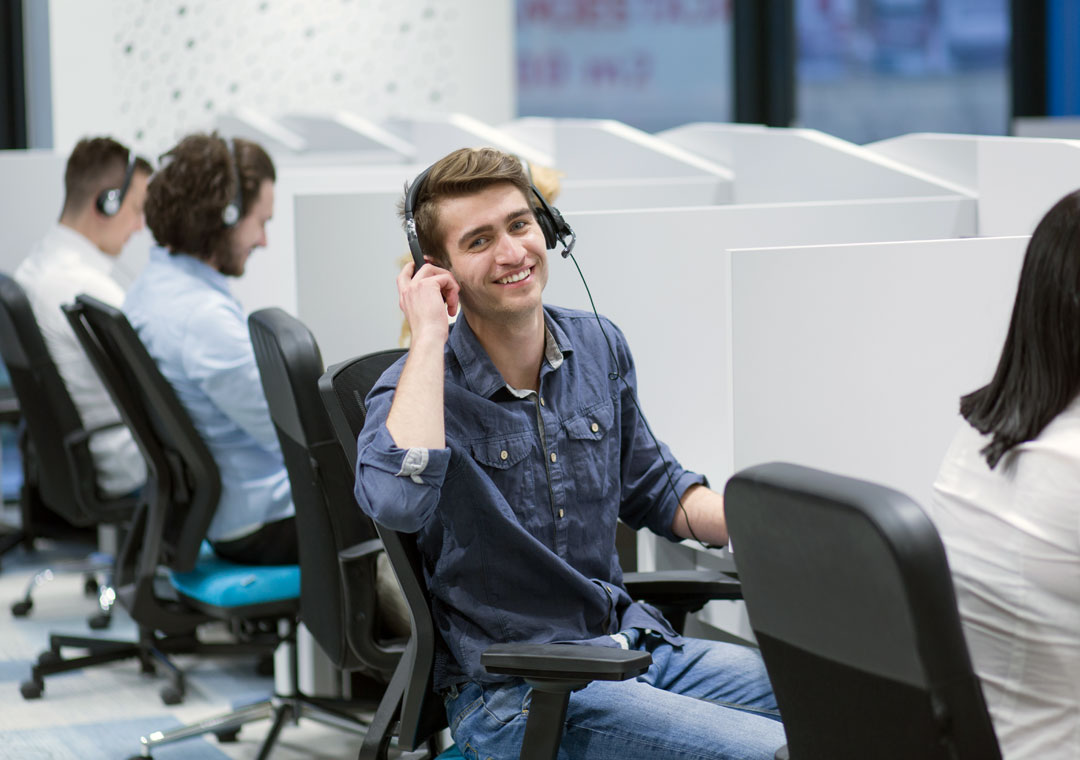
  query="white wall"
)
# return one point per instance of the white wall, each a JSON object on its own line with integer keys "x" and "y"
{"x": 149, "y": 72}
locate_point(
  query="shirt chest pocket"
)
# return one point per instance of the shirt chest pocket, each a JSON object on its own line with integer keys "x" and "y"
{"x": 593, "y": 453}
{"x": 504, "y": 461}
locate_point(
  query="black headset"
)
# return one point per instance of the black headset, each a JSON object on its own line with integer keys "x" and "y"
{"x": 230, "y": 215}
{"x": 551, "y": 222}
{"x": 109, "y": 201}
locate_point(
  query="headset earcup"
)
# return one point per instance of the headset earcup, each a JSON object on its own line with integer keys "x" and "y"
{"x": 547, "y": 225}
{"x": 108, "y": 203}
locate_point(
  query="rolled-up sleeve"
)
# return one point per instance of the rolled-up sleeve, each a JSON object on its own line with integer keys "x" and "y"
{"x": 396, "y": 487}
{"x": 652, "y": 484}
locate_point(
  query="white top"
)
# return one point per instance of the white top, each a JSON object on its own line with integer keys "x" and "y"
{"x": 1012, "y": 536}
{"x": 61, "y": 266}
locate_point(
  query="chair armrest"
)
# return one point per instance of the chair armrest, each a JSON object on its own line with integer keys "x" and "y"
{"x": 565, "y": 662}
{"x": 682, "y": 588}
{"x": 360, "y": 551}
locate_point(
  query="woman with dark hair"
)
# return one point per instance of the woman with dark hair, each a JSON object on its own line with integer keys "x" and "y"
{"x": 1007, "y": 505}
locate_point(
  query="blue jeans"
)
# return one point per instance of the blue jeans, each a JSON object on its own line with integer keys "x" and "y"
{"x": 704, "y": 699}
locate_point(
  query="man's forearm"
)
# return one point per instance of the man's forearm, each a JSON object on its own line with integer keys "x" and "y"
{"x": 416, "y": 418}
{"x": 705, "y": 510}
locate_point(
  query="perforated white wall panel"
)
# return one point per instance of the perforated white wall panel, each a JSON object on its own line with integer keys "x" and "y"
{"x": 149, "y": 71}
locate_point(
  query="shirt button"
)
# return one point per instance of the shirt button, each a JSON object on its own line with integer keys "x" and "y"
{"x": 503, "y": 454}
{"x": 553, "y": 457}
{"x": 608, "y": 589}
{"x": 594, "y": 427}
{"x": 561, "y": 513}
{"x": 541, "y": 401}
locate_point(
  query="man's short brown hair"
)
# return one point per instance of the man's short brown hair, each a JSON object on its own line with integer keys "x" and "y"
{"x": 463, "y": 172}
{"x": 96, "y": 164}
{"x": 196, "y": 181}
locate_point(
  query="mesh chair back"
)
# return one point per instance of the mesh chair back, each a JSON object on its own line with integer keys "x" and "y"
{"x": 343, "y": 388}
{"x": 66, "y": 479}
{"x": 181, "y": 468}
{"x": 327, "y": 516}
{"x": 850, "y": 597}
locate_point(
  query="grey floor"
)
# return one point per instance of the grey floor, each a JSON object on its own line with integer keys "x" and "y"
{"x": 100, "y": 712}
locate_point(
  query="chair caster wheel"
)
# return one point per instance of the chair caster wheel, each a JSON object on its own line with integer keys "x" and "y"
{"x": 99, "y": 622}
{"x": 227, "y": 737}
{"x": 31, "y": 689}
{"x": 48, "y": 657}
{"x": 22, "y": 607}
{"x": 90, "y": 586}
{"x": 171, "y": 695}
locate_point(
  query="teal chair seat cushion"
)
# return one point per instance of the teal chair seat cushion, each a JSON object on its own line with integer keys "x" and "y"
{"x": 451, "y": 754}
{"x": 219, "y": 583}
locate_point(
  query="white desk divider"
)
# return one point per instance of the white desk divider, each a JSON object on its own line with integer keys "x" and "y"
{"x": 786, "y": 165}
{"x": 609, "y": 165}
{"x": 950, "y": 157}
{"x": 712, "y": 140}
{"x": 31, "y": 198}
{"x": 346, "y": 132}
{"x": 1020, "y": 179}
{"x": 435, "y": 135}
{"x": 251, "y": 124}
{"x": 853, "y": 358}
{"x": 603, "y": 149}
{"x": 274, "y": 274}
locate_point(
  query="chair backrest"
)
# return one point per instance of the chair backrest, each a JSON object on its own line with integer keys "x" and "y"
{"x": 66, "y": 480}
{"x": 183, "y": 478}
{"x": 851, "y": 600}
{"x": 343, "y": 388}
{"x": 342, "y": 614}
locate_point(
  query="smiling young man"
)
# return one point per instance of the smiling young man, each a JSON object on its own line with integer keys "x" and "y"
{"x": 511, "y": 446}
{"x": 208, "y": 207}
{"x": 104, "y": 192}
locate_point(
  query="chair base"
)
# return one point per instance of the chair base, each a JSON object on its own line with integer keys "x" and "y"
{"x": 280, "y": 710}
{"x": 151, "y": 651}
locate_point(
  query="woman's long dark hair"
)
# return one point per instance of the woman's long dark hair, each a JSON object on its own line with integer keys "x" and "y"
{"x": 1039, "y": 370}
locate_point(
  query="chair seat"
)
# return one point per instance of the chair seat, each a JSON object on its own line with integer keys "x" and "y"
{"x": 216, "y": 582}
{"x": 451, "y": 754}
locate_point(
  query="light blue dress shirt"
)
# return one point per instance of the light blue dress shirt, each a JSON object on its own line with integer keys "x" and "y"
{"x": 197, "y": 333}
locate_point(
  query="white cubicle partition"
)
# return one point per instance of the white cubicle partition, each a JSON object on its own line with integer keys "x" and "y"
{"x": 786, "y": 165}
{"x": 435, "y": 135}
{"x": 953, "y": 158}
{"x": 250, "y": 124}
{"x": 1016, "y": 179}
{"x": 344, "y": 132}
{"x": 1020, "y": 179}
{"x": 31, "y": 196}
{"x": 708, "y": 139}
{"x": 853, "y": 358}
{"x": 275, "y": 275}
{"x": 609, "y": 165}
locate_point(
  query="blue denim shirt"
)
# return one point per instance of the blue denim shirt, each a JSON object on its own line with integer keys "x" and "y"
{"x": 197, "y": 333}
{"x": 516, "y": 518}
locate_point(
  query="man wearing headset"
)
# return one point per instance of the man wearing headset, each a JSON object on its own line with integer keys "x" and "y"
{"x": 511, "y": 445}
{"x": 208, "y": 206}
{"x": 104, "y": 192}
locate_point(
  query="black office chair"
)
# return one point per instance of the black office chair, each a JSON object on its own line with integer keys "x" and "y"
{"x": 167, "y": 532}
{"x": 58, "y": 470}
{"x": 337, "y": 609}
{"x": 850, "y": 597}
{"x": 411, "y": 706}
